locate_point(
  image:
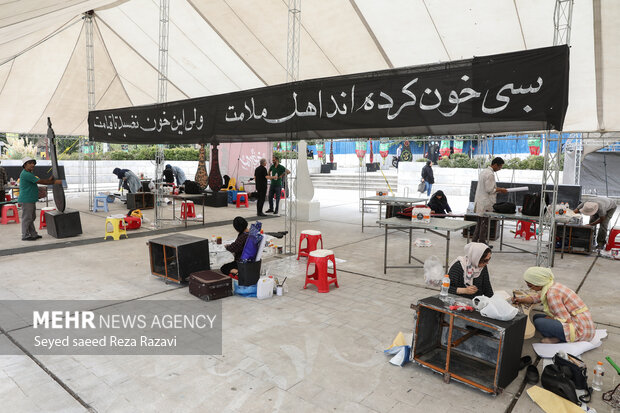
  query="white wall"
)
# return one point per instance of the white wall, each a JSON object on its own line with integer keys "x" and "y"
{"x": 456, "y": 181}
{"x": 105, "y": 178}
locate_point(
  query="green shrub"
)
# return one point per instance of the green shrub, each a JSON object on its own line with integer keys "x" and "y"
{"x": 119, "y": 155}
{"x": 181, "y": 154}
{"x": 514, "y": 163}
{"x": 285, "y": 154}
{"x": 445, "y": 163}
{"x": 421, "y": 160}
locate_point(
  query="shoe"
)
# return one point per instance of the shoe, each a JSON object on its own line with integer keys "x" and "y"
{"x": 37, "y": 236}
{"x": 262, "y": 215}
{"x": 29, "y": 239}
{"x": 525, "y": 361}
{"x": 491, "y": 246}
{"x": 269, "y": 210}
{"x": 531, "y": 375}
{"x": 274, "y": 212}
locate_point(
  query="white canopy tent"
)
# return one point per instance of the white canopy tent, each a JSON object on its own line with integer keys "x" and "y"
{"x": 218, "y": 46}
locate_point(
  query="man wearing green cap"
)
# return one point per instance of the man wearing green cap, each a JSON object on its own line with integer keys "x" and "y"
{"x": 28, "y": 197}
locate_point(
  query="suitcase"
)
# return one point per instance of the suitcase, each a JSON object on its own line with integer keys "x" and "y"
{"x": 209, "y": 285}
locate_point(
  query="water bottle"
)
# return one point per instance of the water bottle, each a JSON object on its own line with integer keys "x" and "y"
{"x": 445, "y": 286}
{"x": 597, "y": 381}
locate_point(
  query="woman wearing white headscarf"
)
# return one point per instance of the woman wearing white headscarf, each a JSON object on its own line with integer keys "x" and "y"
{"x": 469, "y": 276}
{"x": 566, "y": 317}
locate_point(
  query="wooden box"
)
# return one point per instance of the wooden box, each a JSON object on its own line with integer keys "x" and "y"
{"x": 467, "y": 347}
{"x": 175, "y": 257}
{"x": 141, "y": 200}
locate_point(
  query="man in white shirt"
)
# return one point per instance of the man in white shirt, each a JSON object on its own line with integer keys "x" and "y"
{"x": 601, "y": 210}
{"x": 486, "y": 196}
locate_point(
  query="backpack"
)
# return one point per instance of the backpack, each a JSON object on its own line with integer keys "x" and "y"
{"x": 192, "y": 187}
{"x": 505, "y": 208}
{"x": 531, "y": 204}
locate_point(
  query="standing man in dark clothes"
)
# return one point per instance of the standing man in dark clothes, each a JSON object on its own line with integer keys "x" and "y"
{"x": 4, "y": 180}
{"x": 241, "y": 226}
{"x": 260, "y": 177}
{"x": 277, "y": 173}
{"x": 427, "y": 177}
{"x": 28, "y": 197}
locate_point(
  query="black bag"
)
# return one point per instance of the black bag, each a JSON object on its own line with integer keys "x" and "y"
{"x": 531, "y": 204}
{"x": 577, "y": 371}
{"x": 192, "y": 187}
{"x": 505, "y": 208}
{"x": 554, "y": 380}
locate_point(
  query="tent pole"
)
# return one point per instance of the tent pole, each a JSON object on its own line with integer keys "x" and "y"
{"x": 162, "y": 96}
{"x": 90, "y": 81}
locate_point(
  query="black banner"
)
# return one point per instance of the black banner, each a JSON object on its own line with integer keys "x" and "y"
{"x": 511, "y": 92}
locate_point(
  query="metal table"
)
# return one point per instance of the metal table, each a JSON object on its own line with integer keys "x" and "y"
{"x": 511, "y": 217}
{"x": 387, "y": 200}
{"x": 435, "y": 226}
{"x": 188, "y": 197}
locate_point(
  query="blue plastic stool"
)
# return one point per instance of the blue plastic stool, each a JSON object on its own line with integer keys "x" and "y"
{"x": 100, "y": 206}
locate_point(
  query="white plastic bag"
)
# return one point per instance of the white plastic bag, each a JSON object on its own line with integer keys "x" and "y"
{"x": 433, "y": 271}
{"x": 495, "y": 307}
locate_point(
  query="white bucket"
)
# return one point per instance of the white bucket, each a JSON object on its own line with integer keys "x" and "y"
{"x": 264, "y": 288}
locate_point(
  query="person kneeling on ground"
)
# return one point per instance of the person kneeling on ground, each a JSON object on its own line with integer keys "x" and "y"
{"x": 469, "y": 276}
{"x": 439, "y": 204}
{"x": 241, "y": 226}
{"x": 566, "y": 316}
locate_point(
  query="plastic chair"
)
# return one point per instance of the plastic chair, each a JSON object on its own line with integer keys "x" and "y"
{"x": 100, "y": 203}
{"x": 188, "y": 210}
{"x": 321, "y": 277}
{"x": 614, "y": 239}
{"x": 524, "y": 231}
{"x": 231, "y": 185}
{"x": 42, "y": 222}
{"x": 242, "y": 199}
{"x": 6, "y": 218}
{"x": 312, "y": 240}
{"x": 116, "y": 231}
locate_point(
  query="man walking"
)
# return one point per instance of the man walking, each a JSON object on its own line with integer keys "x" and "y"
{"x": 428, "y": 177}
{"x": 486, "y": 197}
{"x": 277, "y": 172}
{"x": 260, "y": 177}
{"x": 28, "y": 196}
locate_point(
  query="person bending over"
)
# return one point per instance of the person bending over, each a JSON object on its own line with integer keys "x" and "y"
{"x": 469, "y": 276}
{"x": 127, "y": 180}
{"x": 600, "y": 210}
{"x": 241, "y": 226}
{"x": 566, "y": 317}
{"x": 439, "y": 204}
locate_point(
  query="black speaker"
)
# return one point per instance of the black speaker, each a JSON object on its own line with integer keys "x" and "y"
{"x": 63, "y": 224}
{"x": 216, "y": 199}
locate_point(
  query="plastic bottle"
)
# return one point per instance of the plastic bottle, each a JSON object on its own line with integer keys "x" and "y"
{"x": 597, "y": 381}
{"x": 445, "y": 286}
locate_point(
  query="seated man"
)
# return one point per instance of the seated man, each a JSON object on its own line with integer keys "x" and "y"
{"x": 469, "y": 276}
{"x": 241, "y": 226}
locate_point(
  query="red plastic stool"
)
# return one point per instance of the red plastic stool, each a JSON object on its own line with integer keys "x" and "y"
{"x": 187, "y": 208}
{"x": 614, "y": 239}
{"x": 5, "y": 214}
{"x": 321, "y": 277}
{"x": 312, "y": 240}
{"x": 7, "y": 197}
{"x": 42, "y": 223}
{"x": 242, "y": 199}
{"x": 524, "y": 231}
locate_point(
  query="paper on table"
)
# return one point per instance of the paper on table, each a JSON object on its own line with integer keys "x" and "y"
{"x": 576, "y": 349}
{"x": 518, "y": 189}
